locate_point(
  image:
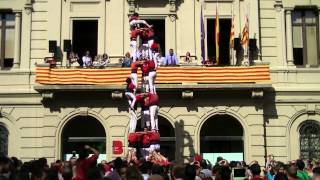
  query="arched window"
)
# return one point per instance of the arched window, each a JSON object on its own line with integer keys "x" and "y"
{"x": 3, "y": 140}
{"x": 222, "y": 135}
{"x": 80, "y": 131}
{"x": 310, "y": 140}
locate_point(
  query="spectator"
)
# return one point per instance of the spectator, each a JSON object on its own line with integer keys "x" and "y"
{"x": 187, "y": 59}
{"x": 105, "y": 59}
{"x": 95, "y": 62}
{"x": 145, "y": 169}
{"x": 206, "y": 172}
{"x": 171, "y": 59}
{"x": 190, "y": 172}
{"x": 67, "y": 171}
{"x": 123, "y": 172}
{"x": 219, "y": 159}
{"x": 87, "y": 60}
{"x": 162, "y": 61}
{"x": 292, "y": 173}
{"x": 155, "y": 177}
{"x": 127, "y": 60}
{"x": 84, "y": 163}
{"x": 316, "y": 173}
{"x": 224, "y": 173}
{"x": 256, "y": 170}
{"x": 280, "y": 176}
{"x": 178, "y": 172}
{"x": 214, "y": 171}
{"x": 5, "y": 168}
{"x": 301, "y": 173}
{"x": 73, "y": 59}
{"x": 133, "y": 173}
{"x": 100, "y": 61}
{"x": 117, "y": 165}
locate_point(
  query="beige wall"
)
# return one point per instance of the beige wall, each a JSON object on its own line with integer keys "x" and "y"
{"x": 35, "y": 130}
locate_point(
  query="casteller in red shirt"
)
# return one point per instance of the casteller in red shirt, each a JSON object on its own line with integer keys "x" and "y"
{"x": 83, "y": 164}
{"x": 134, "y": 34}
{"x": 152, "y": 99}
{"x": 151, "y": 65}
{"x": 145, "y": 68}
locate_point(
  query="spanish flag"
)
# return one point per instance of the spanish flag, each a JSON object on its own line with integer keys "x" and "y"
{"x": 217, "y": 35}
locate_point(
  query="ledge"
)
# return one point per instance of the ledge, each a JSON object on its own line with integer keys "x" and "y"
{"x": 160, "y": 87}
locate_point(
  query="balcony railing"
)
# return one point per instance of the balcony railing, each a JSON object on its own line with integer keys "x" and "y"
{"x": 165, "y": 75}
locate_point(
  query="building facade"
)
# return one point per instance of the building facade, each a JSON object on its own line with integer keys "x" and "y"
{"x": 280, "y": 117}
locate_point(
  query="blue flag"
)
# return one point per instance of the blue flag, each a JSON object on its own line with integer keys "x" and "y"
{"x": 203, "y": 36}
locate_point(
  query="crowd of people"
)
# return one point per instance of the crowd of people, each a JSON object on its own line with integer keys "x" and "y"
{"x": 86, "y": 167}
{"x": 99, "y": 61}
{"x": 102, "y": 61}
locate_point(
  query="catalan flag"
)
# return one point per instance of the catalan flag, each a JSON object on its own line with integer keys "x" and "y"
{"x": 232, "y": 34}
{"x": 245, "y": 33}
{"x": 217, "y": 36}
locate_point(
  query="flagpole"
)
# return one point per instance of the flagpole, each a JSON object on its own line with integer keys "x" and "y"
{"x": 202, "y": 38}
{"x": 217, "y": 34}
{"x": 232, "y": 26}
{"x": 218, "y": 21}
{"x": 248, "y": 50}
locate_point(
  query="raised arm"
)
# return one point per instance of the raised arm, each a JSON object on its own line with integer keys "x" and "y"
{"x": 95, "y": 152}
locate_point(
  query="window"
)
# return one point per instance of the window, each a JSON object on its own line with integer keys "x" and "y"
{"x": 159, "y": 27}
{"x": 88, "y": 42}
{"x": 3, "y": 140}
{"x": 305, "y": 33}
{"x": 310, "y": 140}
{"x": 224, "y": 51}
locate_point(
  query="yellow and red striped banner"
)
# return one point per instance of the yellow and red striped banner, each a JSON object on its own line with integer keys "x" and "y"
{"x": 165, "y": 75}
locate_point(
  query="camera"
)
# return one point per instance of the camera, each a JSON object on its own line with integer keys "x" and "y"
{"x": 239, "y": 173}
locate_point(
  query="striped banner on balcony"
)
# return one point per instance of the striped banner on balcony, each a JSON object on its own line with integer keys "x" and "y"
{"x": 165, "y": 75}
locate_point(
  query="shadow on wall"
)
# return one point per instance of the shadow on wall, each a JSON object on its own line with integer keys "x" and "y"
{"x": 90, "y": 99}
{"x": 184, "y": 139}
{"x": 269, "y": 112}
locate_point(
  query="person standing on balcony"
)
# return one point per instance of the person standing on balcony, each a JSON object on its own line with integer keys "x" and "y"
{"x": 187, "y": 59}
{"x": 126, "y": 61}
{"x": 87, "y": 60}
{"x": 171, "y": 59}
{"x": 74, "y": 59}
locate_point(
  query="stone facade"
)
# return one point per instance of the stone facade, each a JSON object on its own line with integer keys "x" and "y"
{"x": 270, "y": 123}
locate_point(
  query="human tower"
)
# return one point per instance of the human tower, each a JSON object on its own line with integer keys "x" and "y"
{"x": 145, "y": 53}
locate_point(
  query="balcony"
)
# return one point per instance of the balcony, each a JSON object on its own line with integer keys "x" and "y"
{"x": 165, "y": 75}
{"x": 253, "y": 79}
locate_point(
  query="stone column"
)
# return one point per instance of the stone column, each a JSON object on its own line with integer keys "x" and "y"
{"x": 281, "y": 45}
{"x": 289, "y": 38}
{"x": 17, "y": 40}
